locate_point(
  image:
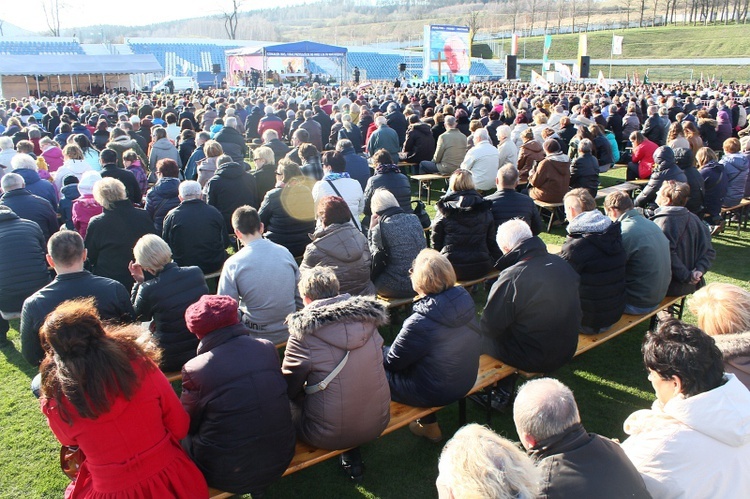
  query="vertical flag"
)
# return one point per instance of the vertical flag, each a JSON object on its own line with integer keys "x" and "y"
{"x": 583, "y": 47}
{"x": 514, "y": 44}
{"x": 616, "y": 45}
{"x": 547, "y": 45}
{"x": 563, "y": 71}
{"x": 602, "y": 82}
{"x": 536, "y": 79}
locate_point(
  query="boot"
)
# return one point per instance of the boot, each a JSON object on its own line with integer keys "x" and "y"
{"x": 430, "y": 431}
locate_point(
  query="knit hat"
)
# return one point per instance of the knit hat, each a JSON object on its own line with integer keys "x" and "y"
{"x": 551, "y": 146}
{"x": 210, "y": 313}
{"x": 86, "y": 185}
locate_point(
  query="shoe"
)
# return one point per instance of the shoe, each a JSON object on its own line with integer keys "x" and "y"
{"x": 355, "y": 469}
{"x": 430, "y": 431}
{"x": 500, "y": 399}
{"x": 717, "y": 229}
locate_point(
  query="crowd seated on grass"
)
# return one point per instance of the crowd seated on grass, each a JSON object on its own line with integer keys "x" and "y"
{"x": 614, "y": 262}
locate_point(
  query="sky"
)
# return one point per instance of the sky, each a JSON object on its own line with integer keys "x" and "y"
{"x": 29, "y": 15}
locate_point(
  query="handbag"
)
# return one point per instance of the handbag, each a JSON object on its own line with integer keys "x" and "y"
{"x": 379, "y": 258}
{"x": 71, "y": 459}
{"x": 421, "y": 213}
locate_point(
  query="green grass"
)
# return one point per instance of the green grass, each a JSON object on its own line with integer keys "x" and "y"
{"x": 609, "y": 383}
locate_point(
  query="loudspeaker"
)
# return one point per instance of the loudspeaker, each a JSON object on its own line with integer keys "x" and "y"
{"x": 216, "y": 69}
{"x": 583, "y": 64}
{"x": 402, "y": 67}
{"x": 510, "y": 67}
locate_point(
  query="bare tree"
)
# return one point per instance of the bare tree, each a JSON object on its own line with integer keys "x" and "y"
{"x": 628, "y": 4}
{"x": 653, "y": 20}
{"x": 573, "y": 15}
{"x": 474, "y": 20}
{"x": 532, "y": 12}
{"x": 231, "y": 19}
{"x": 51, "y": 9}
{"x": 643, "y": 9}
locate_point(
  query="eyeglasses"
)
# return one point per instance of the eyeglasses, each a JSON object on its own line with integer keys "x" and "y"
{"x": 279, "y": 174}
{"x": 411, "y": 270}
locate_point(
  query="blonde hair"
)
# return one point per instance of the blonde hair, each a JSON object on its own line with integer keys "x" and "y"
{"x": 721, "y": 308}
{"x": 265, "y": 153}
{"x": 477, "y": 463}
{"x": 108, "y": 191}
{"x": 432, "y": 273}
{"x": 72, "y": 151}
{"x": 152, "y": 253}
{"x": 461, "y": 180}
{"x": 213, "y": 149}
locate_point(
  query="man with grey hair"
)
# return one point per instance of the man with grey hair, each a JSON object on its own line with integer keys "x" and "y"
{"x": 313, "y": 128}
{"x": 397, "y": 121}
{"x": 449, "y": 152}
{"x": 482, "y": 161}
{"x": 195, "y": 231}
{"x": 533, "y": 312}
{"x": 27, "y": 205}
{"x": 232, "y": 141}
{"x": 653, "y": 128}
{"x": 508, "y": 204}
{"x": 574, "y": 463}
{"x": 384, "y": 137}
{"x": 271, "y": 140}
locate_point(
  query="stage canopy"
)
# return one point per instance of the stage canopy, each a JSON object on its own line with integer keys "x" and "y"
{"x": 242, "y": 59}
{"x": 46, "y": 65}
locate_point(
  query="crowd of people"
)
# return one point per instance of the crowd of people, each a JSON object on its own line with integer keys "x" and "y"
{"x": 121, "y": 205}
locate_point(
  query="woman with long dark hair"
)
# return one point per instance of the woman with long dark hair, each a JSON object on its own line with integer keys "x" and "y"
{"x": 102, "y": 392}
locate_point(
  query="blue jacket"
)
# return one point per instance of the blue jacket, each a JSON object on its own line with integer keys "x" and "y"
{"x": 736, "y": 170}
{"x": 35, "y": 185}
{"x": 435, "y": 357}
{"x": 27, "y": 205}
{"x": 161, "y": 199}
{"x": 356, "y": 166}
{"x": 65, "y": 209}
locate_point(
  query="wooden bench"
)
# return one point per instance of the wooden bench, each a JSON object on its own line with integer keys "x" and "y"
{"x": 551, "y": 208}
{"x": 425, "y": 179}
{"x": 490, "y": 372}
{"x": 628, "y": 187}
{"x": 177, "y": 375}
{"x": 740, "y": 210}
{"x": 391, "y": 303}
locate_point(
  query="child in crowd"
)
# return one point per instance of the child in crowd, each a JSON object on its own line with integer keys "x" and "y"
{"x": 85, "y": 207}
{"x": 68, "y": 194}
{"x": 133, "y": 164}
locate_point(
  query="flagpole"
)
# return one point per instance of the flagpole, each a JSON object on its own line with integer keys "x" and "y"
{"x": 611, "y": 51}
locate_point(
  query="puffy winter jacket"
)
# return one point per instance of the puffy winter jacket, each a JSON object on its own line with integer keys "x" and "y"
{"x": 241, "y": 433}
{"x": 165, "y": 299}
{"x": 27, "y": 205}
{"x": 65, "y": 208}
{"x": 584, "y": 172}
{"x": 232, "y": 143}
{"x": 736, "y": 170}
{"x": 230, "y": 188}
{"x": 550, "y": 179}
{"x": 594, "y": 249}
{"x": 343, "y": 248}
{"x": 84, "y": 209}
{"x": 37, "y": 186}
{"x": 716, "y": 184}
{"x": 508, "y": 204}
{"x": 162, "y": 198}
{"x": 163, "y": 149}
{"x": 75, "y": 167}
{"x": 288, "y": 214}
{"x": 419, "y": 144}
{"x": 665, "y": 168}
{"x": 643, "y": 154}
{"x": 434, "y": 359}
{"x": 395, "y": 183}
{"x": 356, "y": 166}
{"x": 464, "y": 231}
{"x": 684, "y": 159}
{"x": 529, "y": 154}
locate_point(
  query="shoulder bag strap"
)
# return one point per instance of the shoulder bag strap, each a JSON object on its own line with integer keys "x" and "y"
{"x": 319, "y": 387}
{"x": 342, "y": 197}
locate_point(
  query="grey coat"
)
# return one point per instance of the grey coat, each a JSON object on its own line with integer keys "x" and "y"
{"x": 736, "y": 351}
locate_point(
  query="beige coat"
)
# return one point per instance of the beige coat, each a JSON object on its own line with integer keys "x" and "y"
{"x": 450, "y": 152}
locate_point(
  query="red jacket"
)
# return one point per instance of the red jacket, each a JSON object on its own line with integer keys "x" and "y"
{"x": 643, "y": 154}
{"x": 134, "y": 449}
{"x": 272, "y": 122}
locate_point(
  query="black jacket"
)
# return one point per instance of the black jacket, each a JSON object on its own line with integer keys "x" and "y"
{"x": 465, "y": 233}
{"x": 420, "y": 144}
{"x": 584, "y": 172}
{"x": 233, "y": 143}
{"x": 614, "y": 125}
{"x": 586, "y": 465}
{"x": 654, "y": 130}
{"x": 161, "y": 199}
{"x": 111, "y": 237}
{"x": 397, "y": 121}
{"x": 127, "y": 178}
{"x": 434, "y": 359}
{"x": 533, "y": 311}
{"x": 197, "y": 235}
{"x": 288, "y": 214}
{"x": 395, "y": 183}
{"x": 684, "y": 159}
{"x": 23, "y": 268}
{"x": 111, "y": 298}
{"x": 603, "y": 150}
{"x": 508, "y": 204}
{"x": 186, "y": 149}
{"x": 594, "y": 249}
{"x": 279, "y": 149}
{"x": 241, "y": 433}
{"x": 165, "y": 299}
{"x": 230, "y": 188}
{"x": 665, "y": 168}
{"x": 356, "y": 166}
{"x": 716, "y": 185}
{"x": 325, "y": 125}
{"x": 30, "y": 207}
{"x": 265, "y": 179}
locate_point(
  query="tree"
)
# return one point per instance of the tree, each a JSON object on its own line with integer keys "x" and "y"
{"x": 52, "y": 10}
{"x": 643, "y": 9}
{"x": 628, "y": 4}
{"x": 231, "y": 19}
{"x": 474, "y": 22}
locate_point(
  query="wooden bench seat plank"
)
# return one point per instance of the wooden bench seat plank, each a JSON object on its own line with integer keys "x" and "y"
{"x": 177, "y": 375}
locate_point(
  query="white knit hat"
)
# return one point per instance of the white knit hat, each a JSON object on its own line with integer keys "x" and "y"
{"x": 86, "y": 185}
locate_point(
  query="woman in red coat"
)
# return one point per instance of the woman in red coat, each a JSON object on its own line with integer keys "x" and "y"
{"x": 103, "y": 393}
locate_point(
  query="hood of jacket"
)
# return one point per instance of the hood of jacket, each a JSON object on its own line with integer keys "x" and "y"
{"x": 463, "y": 201}
{"x": 532, "y": 145}
{"x": 738, "y": 160}
{"x": 338, "y": 311}
{"x": 452, "y": 308}
{"x": 77, "y": 166}
{"x": 162, "y": 145}
{"x": 707, "y": 121}
{"x": 673, "y": 211}
{"x": 559, "y": 157}
{"x": 230, "y": 170}
{"x": 344, "y": 242}
{"x": 70, "y": 191}
{"x": 733, "y": 345}
{"x": 589, "y": 221}
{"x": 420, "y": 129}
{"x": 663, "y": 158}
{"x": 598, "y": 230}
{"x": 29, "y": 176}
{"x": 168, "y": 187}
{"x": 683, "y": 157}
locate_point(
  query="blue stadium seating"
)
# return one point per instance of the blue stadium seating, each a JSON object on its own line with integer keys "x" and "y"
{"x": 37, "y": 47}
{"x": 191, "y": 53}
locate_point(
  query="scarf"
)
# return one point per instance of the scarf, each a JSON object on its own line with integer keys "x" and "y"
{"x": 335, "y": 176}
{"x": 380, "y": 169}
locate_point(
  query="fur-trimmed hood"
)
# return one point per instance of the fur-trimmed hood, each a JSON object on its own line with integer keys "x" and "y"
{"x": 343, "y": 321}
{"x": 733, "y": 345}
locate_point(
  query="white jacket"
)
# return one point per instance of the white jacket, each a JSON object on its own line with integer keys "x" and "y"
{"x": 75, "y": 167}
{"x": 350, "y": 190}
{"x": 696, "y": 447}
{"x": 508, "y": 152}
{"x": 482, "y": 161}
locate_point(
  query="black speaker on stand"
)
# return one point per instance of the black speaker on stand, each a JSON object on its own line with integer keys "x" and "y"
{"x": 584, "y": 64}
{"x": 216, "y": 69}
{"x": 510, "y": 67}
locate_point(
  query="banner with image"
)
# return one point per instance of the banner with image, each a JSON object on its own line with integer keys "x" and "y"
{"x": 446, "y": 53}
